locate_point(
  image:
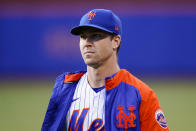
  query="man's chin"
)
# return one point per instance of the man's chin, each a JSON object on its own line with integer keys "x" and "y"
{"x": 92, "y": 64}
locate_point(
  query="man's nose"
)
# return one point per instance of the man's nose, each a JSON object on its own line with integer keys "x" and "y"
{"x": 88, "y": 41}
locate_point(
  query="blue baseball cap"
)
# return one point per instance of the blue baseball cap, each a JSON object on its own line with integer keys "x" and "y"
{"x": 101, "y": 19}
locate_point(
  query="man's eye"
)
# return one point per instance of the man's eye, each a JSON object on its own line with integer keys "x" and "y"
{"x": 83, "y": 36}
{"x": 98, "y": 36}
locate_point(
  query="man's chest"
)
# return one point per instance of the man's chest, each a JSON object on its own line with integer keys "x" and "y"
{"x": 87, "y": 110}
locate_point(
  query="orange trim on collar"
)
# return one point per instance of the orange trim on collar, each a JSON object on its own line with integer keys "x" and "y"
{"x": 116, "y": 79}
{"x": 73, "y": 77}
{"x": 123, "y": 76}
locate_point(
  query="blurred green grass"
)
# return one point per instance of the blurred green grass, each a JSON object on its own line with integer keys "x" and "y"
{"x": 23, "y": 104}
{"x": 177, "y": 98}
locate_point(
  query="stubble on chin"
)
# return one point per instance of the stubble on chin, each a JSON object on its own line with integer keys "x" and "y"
{"x": 92, "y": 64}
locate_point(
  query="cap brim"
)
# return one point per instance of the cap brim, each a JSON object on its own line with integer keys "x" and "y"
{"x": 77, "y": 30}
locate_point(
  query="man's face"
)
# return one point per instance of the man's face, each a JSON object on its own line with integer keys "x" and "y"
{"x": 95, "y": 47}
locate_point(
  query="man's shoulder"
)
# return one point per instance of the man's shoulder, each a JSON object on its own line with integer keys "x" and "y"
{"x": 137, "y": 83}
{"x": 146, "y": 92}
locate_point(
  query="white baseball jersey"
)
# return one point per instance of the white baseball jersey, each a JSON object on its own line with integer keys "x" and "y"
{"x": 87, "y": 110}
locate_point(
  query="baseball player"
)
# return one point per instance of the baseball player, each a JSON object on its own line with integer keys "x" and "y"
{"x": 104, "y": 97}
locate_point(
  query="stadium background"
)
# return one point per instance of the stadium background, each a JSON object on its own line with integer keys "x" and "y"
{"x": 158, "y": 46}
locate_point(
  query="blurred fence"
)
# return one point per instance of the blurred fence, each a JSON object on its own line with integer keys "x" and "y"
{"x": 153, "y": 43}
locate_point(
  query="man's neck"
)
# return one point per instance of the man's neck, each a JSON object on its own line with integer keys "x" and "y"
{"x": 96, "y": 76}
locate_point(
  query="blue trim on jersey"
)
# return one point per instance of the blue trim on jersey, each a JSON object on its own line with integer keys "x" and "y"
{"x": 98, "y": 89}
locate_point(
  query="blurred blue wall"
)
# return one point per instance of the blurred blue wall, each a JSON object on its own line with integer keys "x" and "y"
{"x": 150, "y": 44}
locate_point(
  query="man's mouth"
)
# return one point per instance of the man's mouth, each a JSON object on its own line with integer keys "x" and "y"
{"x": 89, "y": 52}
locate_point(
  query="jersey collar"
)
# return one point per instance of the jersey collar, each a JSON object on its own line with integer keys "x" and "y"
{"x": 110, "y": 82}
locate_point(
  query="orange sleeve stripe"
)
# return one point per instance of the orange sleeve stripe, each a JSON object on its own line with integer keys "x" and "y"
{"x": 73, "y": 77}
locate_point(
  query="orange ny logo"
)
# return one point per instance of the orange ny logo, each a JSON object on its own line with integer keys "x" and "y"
{"x": 128, "y": 120}
{"x": 116, "y": 28}
{"x": 91, "y": 15}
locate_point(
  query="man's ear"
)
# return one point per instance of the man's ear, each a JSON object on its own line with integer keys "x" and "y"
{"x": 116, "y": 42}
